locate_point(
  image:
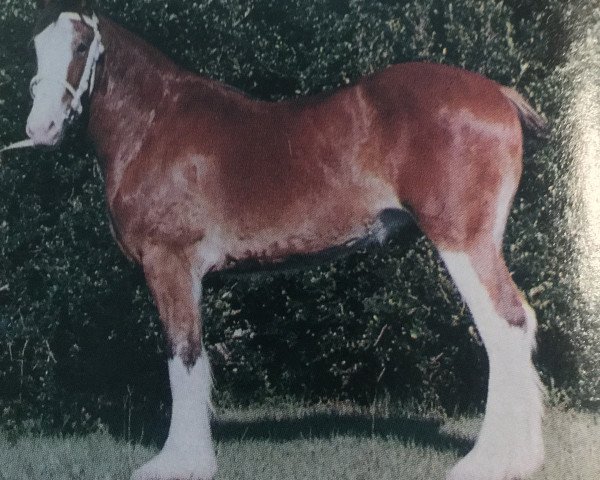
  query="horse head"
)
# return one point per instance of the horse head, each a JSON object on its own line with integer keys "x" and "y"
{"x": 68, "y": 46}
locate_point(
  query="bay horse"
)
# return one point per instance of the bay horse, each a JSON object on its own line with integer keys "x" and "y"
{"x": 200, "y": 178}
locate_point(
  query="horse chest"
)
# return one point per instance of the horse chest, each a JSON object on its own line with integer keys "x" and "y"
{"x": 154, "y": 210}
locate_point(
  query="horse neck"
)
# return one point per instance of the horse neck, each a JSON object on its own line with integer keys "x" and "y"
{"x": 133, "y": 79}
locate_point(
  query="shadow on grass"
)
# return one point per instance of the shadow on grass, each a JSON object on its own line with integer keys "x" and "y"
{"x": 422, "y": 432}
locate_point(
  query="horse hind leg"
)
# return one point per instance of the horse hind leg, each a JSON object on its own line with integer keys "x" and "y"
{"x": 188, "y": 452}
{"x": 509, "y": 445}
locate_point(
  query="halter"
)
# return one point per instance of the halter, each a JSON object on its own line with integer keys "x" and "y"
{"x": 86, "y": 83}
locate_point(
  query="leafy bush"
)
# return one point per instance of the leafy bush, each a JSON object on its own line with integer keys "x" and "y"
{"x": 80, "y": 340}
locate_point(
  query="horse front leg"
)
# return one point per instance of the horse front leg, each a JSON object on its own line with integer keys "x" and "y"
{"x": 188, "y": 452}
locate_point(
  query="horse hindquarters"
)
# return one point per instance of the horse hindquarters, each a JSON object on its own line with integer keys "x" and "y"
{"x": 188, "y": 452}
{"x": 466, "y": 162}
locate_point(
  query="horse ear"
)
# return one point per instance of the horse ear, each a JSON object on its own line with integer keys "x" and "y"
{"x": 87, "y": 4}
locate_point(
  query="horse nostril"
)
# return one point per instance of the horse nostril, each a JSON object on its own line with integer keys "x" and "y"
{"x": 41, "y": 129}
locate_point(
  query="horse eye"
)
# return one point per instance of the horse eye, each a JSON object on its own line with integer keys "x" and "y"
{"x": 81, "y": 48}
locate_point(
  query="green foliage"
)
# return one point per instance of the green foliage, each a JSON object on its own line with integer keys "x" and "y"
{"x": 80, "y": 340}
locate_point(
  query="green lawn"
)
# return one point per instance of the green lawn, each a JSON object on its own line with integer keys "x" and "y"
{"x": 311, "y": 443}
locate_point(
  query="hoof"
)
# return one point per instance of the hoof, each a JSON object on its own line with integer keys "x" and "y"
{"x": 508, "y": 466}
{"x": 167, "y": 466}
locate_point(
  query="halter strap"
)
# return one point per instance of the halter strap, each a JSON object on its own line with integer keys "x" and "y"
{"x": 86, "y": 83}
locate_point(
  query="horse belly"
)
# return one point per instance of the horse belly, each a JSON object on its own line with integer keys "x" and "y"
{"x": 298, "y": 249}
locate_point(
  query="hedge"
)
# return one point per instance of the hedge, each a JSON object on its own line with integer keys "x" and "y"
{"x": 80, "y": 340}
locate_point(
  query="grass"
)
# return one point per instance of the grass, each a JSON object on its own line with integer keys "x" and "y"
{"x": 324, "y": 442}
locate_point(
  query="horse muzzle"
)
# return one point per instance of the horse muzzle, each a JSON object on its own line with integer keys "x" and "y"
{"x": 45, "y": 132}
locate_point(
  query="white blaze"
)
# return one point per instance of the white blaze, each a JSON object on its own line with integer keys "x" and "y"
{"x": 53, "y": 47}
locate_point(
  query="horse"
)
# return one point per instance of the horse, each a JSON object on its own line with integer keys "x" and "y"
{"x": 200, "y": 178}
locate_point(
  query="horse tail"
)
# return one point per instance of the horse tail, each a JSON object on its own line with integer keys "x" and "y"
{"x": 532, "y": 121}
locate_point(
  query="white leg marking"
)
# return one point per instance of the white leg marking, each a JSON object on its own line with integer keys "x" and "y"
{"x": 510, "y": 444}
{"x": 505, "y": 196}
{"x": 188, "y": 453}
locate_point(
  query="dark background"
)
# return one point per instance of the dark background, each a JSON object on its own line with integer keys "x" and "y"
{"x": 80, "y": 341}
